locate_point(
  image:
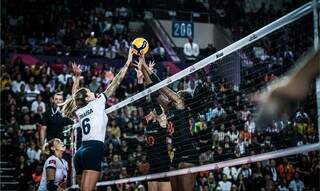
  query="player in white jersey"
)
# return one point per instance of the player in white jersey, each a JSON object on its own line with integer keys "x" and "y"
{"x": 91, "y": 117}
{"x": 55, "y": 169}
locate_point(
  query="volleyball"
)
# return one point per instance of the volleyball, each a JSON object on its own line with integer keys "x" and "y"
{"x": 140, "y": 46}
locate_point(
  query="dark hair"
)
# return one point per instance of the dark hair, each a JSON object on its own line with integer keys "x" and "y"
{"x": 58, "y": 94}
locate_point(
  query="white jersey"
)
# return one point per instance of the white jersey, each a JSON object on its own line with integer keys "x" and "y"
{"x": 93, "y": 119}
{"x": 61, "y": 167}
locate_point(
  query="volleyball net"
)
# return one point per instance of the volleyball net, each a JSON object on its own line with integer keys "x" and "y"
{"x": 215, "y": 126}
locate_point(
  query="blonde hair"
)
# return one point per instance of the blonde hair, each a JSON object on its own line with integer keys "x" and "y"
{"x": 48, "y": 145}
{"x": 78, "y": 99}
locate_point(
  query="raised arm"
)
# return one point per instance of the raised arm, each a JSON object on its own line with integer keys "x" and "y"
{"x": 119, "y": 77}
{"x": 173, "y": 96}
{"x": 77, "y": 72}
{"x": 285, "y": 94}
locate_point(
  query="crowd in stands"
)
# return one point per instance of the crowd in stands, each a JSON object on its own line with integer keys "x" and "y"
{"x": 67, "y": 27}
{"x": 223, "y": 129}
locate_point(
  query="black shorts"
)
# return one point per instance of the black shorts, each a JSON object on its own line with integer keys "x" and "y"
{"x": 159, "y": 161}
{"x": 186, "y": 153}
{"x": 89, "y": 156}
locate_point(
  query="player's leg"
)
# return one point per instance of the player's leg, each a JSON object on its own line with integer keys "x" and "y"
{"x": 164, "y": 186}
{"x": 78, "y": 166}
{"x": 174, "y": 180}
{"x": 152, "y": 186}
{"x": 187, "y": 180}
{"x": 92, "y": 157}
{"x": 89, "y": 180}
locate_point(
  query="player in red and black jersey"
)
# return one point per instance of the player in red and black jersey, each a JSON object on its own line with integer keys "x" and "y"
{"x": 155, "y": 135}
{"x": 179, "y": 128}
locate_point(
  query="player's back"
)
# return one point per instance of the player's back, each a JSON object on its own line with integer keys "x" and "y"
{"x": 93, "y": 119}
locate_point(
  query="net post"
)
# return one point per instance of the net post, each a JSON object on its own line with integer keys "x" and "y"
{"x": 316, "y": 21}
{"x": 74, "y": 148}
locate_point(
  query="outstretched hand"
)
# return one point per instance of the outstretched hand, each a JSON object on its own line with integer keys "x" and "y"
{"x": 138, "y": 69}
{"x": 151, "y": 66}
{"x": 76, "y": 69}
{"x": 278, "y": 104}
{"x": 285, "y": 95}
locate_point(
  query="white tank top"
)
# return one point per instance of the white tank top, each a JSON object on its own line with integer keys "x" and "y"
{"x": 93, "y": 119}
{"x": 61, "y": 167}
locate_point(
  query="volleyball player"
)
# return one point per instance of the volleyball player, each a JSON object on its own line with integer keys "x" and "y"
{"x": 55, "y": 169}
{"x": 89, "y": 112}
{"x": 177, "y": 112}
{"x": 156, "y": 138}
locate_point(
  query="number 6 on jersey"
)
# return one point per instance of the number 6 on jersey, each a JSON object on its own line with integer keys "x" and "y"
{"x": 86, "y": 126}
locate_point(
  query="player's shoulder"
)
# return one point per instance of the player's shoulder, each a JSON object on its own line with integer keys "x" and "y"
{"x": 100, "y": 99}
{"x": 52, "y": 160}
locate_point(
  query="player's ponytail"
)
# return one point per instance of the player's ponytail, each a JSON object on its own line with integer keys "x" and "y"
{"x": 75, "y": 101}
{"x": 68, "y": 107}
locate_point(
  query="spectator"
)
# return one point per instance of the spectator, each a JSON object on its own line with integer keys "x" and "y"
{"x": 233, "y": 134}
{"x": 286, "y": 170}
{"x": 296, "y": 184}
{"x": 38, "y": 103}
{"x": 31, "y": 94}
{"x": 36, "y": 175}
{"x": 241, "y": 183}
{"x": 16, "y": 84}
{"x": 33, "y": 153}
{"x": 191, "y": 50}
{"x": 94, "y": 85}
{"x": 110, "y": 51}
{"x": 158, "y": 52}
{"x": 5, "y": 82}
{"x": 92, "y": 41}
{"x": 115, "y": 167}
{"x": 273, "y": 171}
{"x": 250, "y": 124}
{"x": 225, "y": 185}
{"x": 283, "y": 185}
{"x": 22, "y": 172}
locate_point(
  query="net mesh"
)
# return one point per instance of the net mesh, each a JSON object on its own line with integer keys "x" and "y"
{"x": 217, "y": 120}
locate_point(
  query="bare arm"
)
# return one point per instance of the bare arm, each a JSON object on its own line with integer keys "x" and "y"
{"x": 51, "y": 173}
{"x": 161, "y": 99}
{"x": 281, "y": 101}
{"x": 173, "y": 96}
{"x": 119, "y": 77}
{"x": 77, "y": 72}
{"x": 304, "y": 75}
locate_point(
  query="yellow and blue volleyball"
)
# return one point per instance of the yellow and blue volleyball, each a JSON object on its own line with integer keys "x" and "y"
{"x": 140, "y": 46}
